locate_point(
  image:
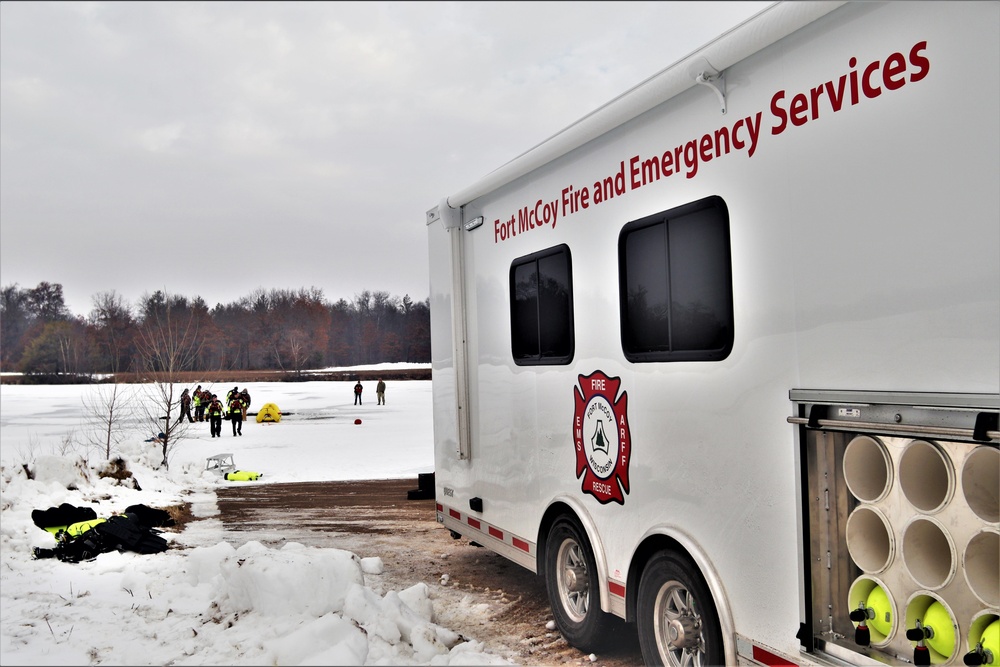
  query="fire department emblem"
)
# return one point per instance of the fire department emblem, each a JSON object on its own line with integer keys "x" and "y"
{"x": 601, "y": 437}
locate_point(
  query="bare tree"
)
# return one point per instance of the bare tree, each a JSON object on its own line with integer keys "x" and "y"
{"x": 112, "y": 320}
{"x": 168, "y": 343}
{"x": 292, "y": 346}
{"x": 108, "y": 408}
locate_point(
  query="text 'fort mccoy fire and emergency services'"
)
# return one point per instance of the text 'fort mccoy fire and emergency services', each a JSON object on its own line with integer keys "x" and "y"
{"x": 853, "y": 87}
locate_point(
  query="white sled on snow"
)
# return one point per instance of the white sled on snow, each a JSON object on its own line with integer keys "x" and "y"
{"x": 220, "y": 463}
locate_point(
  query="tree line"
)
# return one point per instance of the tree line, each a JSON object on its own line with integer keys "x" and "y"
{"x": 281, "y": 330}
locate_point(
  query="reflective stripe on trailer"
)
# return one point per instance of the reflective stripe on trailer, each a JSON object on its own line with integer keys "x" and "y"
{"x": 616, "y": 597}
{"x": 486, "y": 529}
{"x": 750, "y": 650}
{"x": 764, "y": 656}
{"x": 516, "y": 548}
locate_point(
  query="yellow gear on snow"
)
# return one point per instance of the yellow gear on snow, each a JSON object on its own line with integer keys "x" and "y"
{"x": 269, "y": 412}
{"x": 75, "y": 529}
{"x": 242, "y": 476}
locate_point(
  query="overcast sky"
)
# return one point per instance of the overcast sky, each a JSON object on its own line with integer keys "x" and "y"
{"x": 213, "y": 148}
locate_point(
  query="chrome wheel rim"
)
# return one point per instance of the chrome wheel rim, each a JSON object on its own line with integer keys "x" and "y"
{"x": 678, "y": 626}
{"x": 573, "y": 580}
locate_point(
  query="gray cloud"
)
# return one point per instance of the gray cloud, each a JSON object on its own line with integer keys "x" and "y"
{"x": 208, "y": 149}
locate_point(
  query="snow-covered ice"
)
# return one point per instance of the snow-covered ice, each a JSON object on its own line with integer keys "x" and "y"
{"x": 204, "y": 601}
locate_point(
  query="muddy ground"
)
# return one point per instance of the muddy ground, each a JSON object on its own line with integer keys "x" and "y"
{"x": 375, "y": 518}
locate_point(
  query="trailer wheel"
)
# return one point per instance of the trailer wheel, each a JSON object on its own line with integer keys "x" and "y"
{"x": 571, "y": 581}
{"x": 676, "y": 616}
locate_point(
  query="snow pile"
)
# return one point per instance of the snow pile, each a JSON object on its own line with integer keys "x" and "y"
{"x": 204, "y": 601}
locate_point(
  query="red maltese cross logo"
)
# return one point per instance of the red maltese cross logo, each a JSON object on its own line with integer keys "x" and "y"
{"x": 601, "y": 437}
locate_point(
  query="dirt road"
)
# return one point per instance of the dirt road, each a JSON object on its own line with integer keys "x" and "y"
{"x": 374, "y": 518}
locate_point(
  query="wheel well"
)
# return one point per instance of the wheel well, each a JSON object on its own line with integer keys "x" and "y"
{"x": 555, "y": 512}
{"x": 650, "y": 546}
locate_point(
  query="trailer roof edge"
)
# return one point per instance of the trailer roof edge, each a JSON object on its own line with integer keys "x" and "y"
{"x": 756, "y": 33}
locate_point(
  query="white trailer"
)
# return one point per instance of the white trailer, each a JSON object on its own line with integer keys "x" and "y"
{"x": 722, "y": 359}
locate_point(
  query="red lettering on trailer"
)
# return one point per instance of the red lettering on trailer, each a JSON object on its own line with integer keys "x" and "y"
{"x": 574, "y": 200}
{"x": 503, "y": 230}
{"x": 687, "y": 156}
{"x": 543, "y": 213}
{"x": 611, "y": 186}
{"x": 868, "y": 84}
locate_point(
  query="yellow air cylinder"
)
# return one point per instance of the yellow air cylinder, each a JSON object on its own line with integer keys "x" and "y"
{"x": 938, "y": 618}
{"x": 991, "y": 640}
{"x": 878, "y": 601}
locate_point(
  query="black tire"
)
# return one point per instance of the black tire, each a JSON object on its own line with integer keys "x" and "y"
{"x": 572, "y": 584}
{"x": 677, "y": 620}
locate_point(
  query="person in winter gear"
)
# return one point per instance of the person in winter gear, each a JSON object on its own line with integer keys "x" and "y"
{"x": 245, "y": 398}
{"x": 185, "y": 407}
{"x": 200, "y": 403}
{"x": 357, "y": 393}
{"x": 236, "y": 413}
{"x": 380, "y": 392}
{"x": 235, "y": 391}
{"x": 215, "y": 411}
